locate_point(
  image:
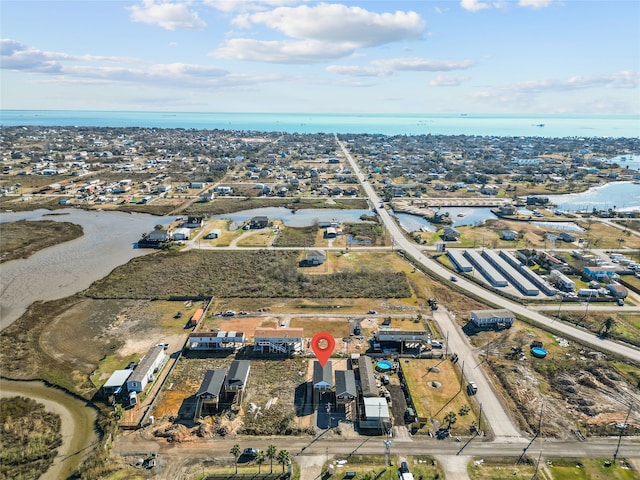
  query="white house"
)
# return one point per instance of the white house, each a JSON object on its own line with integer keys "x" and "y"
{"x": 490, "y": 318}
{"x": 216, "y": 340}
{"x": 278, "y": 340}
{"x": 149, "y": 365}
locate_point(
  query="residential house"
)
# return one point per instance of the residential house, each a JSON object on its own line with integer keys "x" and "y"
{"x": 209, "y": 393}
{"x": 450, "y": 234}
{"x": 346, "y": 392}
{"x": 116, "y": 382}
{"x": 237, "y": 378}
{"x": 144, "y": 372}
{"x": 492, "y": 318}
{"x": 216, "y": 340}
{"x": 287, "y": 341}
{"x": 509, "y": 235}
{"x": 159, "y": 236}
{"x": 194, "y": 222}
{"x": 259, "y": 222}
{"x": 316, "y": 257}
{"x": 322, "y": 380}
{"x": 368, "y": 387}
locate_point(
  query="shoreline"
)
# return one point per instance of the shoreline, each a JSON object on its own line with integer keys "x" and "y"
{"x": 78, "y": 427}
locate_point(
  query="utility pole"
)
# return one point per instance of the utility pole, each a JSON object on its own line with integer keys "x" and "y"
{"x": 624, "y": 426}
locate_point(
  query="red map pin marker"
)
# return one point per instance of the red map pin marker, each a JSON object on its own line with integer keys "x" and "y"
{"x": 323, "y": 353}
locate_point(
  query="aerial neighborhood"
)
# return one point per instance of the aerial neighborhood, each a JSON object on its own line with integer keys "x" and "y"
{"x": 463, "y": 297}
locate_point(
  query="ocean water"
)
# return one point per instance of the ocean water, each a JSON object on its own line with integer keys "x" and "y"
{"x": 549, "y": 126}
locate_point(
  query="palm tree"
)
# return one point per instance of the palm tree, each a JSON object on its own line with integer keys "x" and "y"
{"x": 235, "y": 451}
{"x": 607, "y": 326}
{"x": 283, "y": 458}
{"x": 260, "y": 459}
{"x": 271, "y": 455}
{"x": 450, "y": 418}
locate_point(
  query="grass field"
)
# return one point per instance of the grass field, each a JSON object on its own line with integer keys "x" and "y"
{"x": 553, "y": 469}
{"x": 433, "y": 403}
{"x": 372, "y": 467}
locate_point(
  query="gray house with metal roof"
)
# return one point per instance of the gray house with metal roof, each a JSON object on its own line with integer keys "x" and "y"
{"x": 322, "y": 380}
{"x": 237, "y": 377}
{"x": 368, "y": 385}
{"x": 210, "y": 389}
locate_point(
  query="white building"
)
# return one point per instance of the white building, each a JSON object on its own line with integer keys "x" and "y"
{"x": 216, "y": 340}
{"x": 278, "y": 340}
{"x": 145, "y": 370}
{"x": 490, "y": 318}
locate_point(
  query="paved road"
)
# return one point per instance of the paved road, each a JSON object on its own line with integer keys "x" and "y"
{"x": 303, "y": 449}
{"x": 435, "y": 268}
{"x": 493, "y": 412}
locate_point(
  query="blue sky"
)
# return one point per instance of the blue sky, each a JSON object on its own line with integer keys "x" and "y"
{"x": 421, "y": 56}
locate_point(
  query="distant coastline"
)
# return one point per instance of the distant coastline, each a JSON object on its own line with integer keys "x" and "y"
{"x": 499, "y": 125}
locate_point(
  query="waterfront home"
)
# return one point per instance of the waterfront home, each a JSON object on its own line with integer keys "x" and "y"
{"x": 259, "y": 222}
{"x": 450, "y": 234}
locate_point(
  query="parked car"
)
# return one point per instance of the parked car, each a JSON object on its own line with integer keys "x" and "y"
{"x": 228, "y": 313}
{"x": 372, "y": 312}
{"x": 250, "y": 452}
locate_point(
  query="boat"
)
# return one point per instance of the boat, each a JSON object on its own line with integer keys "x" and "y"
{"x": 462, "y": 214}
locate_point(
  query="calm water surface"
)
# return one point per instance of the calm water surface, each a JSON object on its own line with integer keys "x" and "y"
{"x": 62, "y": 270}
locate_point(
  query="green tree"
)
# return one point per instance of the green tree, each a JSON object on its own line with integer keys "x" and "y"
{"x": 235, "y": 451}
{"x": 260, "y": 459}
{"x": 271, "y": 455}
{"x": 284, "y": 458}
{"x": 450, "y": 418}
{"x": 607, "y": 326}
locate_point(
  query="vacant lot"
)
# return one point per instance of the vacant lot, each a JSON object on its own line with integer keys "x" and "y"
{"x": 435, "y": 388}
{"x": 578, "y": 389}
{"x": 240, "y": 274}
{"x": 372, "y": 466}
{"x": 557, "y": 469}
{"x": 22, "y": 239}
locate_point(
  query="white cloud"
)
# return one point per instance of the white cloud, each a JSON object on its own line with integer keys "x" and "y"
{"x": 355, "y": 71}
{"x": 17, "y": 56}
{"x": 335, "y": 23}
{"x": 319, "y": 33}
{"x": 423, "y": 64}
{"x": 477, "y": 5}
{"x": 166, "y": 15}
{"x": 247, "y": 5}
{"x": 535, "y": 3}
{"x": 388, "y": 66}
{"x": 307, "y": 51}
{"x": 474, "y": 5}
{"x": 447, "y": 81}
{"x": 523, "y": 92}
